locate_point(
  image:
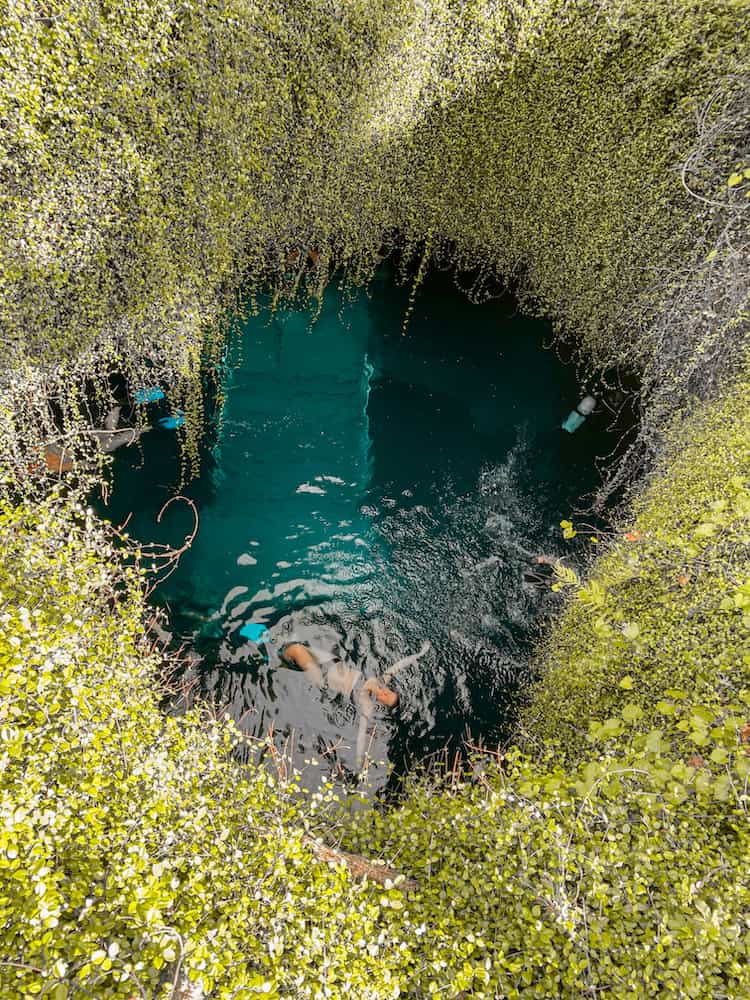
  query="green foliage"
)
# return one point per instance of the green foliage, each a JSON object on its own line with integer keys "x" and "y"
{"x": 130, "y": 855}
{"x": 155, "y": 159}
{"x": 136, "y": 857}
{"x": 666, "y": 607}
{"x": 621, "y": 877}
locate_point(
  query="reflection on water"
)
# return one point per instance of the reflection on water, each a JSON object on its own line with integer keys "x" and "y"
{"x": 367, "y": 491}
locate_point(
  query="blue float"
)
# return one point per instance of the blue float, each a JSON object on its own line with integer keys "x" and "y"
{"x": 573, "y": 421}
{"x": 172, "y": 423}
{"x": 150, "y": 395}
{"x": 255, "y": 632}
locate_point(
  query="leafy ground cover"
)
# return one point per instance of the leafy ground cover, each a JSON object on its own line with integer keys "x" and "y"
{"x": 662, "y": 621}
{"x": 136, "y": 856}
{"x": 154, "y": 156}
{"x": 129, "y": 848}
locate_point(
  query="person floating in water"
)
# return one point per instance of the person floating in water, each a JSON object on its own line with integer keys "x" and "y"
{"x": 347, "y": 681}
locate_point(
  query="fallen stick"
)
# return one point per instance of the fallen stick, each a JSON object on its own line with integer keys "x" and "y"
{"x": 376, "y": 871}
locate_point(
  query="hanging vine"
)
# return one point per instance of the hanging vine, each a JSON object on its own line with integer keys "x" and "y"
{"x": 156, "y": 159}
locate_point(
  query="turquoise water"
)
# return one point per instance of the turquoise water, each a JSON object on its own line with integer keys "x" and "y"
{"x": 364, "y": 491}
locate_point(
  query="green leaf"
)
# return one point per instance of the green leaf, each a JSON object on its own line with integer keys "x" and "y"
{"x": 632, "y": 712}
{"x": 665, "y": 707}
{"x": 564, "y": 575}
{"x": 722, "y": 787}
{"x": 654, "y": 741}
{"x": 705, "y": 530}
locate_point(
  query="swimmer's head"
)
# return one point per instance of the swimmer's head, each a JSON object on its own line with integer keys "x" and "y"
{"x": 299, "y": 657}
{"x": 384, "y": 695}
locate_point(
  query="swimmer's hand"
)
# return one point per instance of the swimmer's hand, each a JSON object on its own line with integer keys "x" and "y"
{"x": 407, "y": 661}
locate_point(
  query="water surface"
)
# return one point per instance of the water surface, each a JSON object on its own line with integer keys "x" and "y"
{"x": 365, "y": 490}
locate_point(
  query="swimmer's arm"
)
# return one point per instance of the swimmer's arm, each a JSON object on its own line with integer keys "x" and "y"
{"x": 364, "y": 698}
{"x": 407, "y": 661}
{"x": 361, "y": 740}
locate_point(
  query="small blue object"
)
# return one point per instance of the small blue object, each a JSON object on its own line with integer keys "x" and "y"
{"x": 573, "y": 421}
{"x": 173, "y": 422}
{"x": 152, "y": 395}
{"x": 255, "y": 632}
